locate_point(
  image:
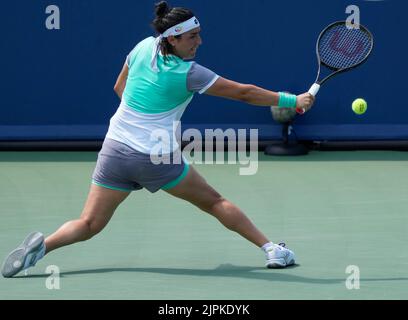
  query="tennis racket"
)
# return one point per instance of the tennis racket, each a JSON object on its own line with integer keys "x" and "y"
{"x": 340, "y": 47}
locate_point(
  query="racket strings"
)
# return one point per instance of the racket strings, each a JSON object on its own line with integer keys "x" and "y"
{"x": 342, "y": 48}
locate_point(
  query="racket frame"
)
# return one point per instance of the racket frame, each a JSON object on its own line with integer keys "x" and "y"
{"x": 337, "y": 70}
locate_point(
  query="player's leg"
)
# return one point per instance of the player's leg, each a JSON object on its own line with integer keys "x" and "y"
{"x": 98, "y": 210}
{"x": 197, "y": 191}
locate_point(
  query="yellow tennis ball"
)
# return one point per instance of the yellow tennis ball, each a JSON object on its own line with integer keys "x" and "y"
{"x": 359, "y": 106}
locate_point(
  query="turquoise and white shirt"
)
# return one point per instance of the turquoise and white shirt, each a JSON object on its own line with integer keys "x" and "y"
{"x": 153, "y": 101}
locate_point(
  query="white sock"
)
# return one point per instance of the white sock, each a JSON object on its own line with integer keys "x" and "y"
{"x": 267, "y": 246}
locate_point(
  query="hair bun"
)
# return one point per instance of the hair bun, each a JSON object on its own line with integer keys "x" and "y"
{"x": 162, "y": 8}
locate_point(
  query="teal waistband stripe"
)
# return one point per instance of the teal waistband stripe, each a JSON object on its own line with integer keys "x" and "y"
{"x": 109, "y": 187}
{"x": 175, "y": 182}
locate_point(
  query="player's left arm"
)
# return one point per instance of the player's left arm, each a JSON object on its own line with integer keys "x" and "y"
{"x": 121, "y": 81}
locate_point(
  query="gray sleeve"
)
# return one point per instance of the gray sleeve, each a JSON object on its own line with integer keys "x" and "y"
{"x": 199, "y": 78}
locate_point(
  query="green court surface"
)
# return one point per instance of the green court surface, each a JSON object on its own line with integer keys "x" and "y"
{"x": 334, "y": 209}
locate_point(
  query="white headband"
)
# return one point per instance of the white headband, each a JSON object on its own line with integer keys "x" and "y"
{"x": 173, "y": 31}
{"x": 182, "y": 27}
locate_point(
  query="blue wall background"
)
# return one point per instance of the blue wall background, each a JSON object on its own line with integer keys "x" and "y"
{"x": 58, "y": 84}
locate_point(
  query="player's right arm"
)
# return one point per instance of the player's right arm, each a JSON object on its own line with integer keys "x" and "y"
{"x": 252, "y": 94}
{"x": 121, "y": 81}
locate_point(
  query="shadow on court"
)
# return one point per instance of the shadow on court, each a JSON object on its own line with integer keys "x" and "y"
{"x": 224, "y": 270}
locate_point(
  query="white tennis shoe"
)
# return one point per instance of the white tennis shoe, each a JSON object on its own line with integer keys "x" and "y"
{"x": 26, "y": 255}
{"x": 277, "y": 256}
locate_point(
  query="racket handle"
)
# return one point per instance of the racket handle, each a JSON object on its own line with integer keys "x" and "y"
{"x": 314, "y": 89}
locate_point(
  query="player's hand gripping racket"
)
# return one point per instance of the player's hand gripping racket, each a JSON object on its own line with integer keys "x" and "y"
{"x": 341, "y": 47}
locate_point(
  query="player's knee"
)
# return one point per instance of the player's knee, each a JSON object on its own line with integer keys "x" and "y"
{"x": 91, "y": 227}
{"x": 213, "y": 201}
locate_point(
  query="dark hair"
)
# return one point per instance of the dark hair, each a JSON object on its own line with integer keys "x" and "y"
{"x": 166, "y": 18}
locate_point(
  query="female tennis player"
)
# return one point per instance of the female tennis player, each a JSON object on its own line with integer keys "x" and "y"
{"x": 155, "y": 86}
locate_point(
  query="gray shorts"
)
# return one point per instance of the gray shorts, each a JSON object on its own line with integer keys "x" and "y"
{"x": 122, "y": 168}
